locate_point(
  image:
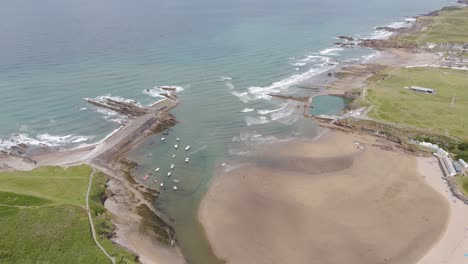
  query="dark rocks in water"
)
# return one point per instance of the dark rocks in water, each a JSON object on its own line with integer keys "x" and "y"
{"x": 391, "y": 29}
{"x": 346, "y": 38}
{"x": 330, "y": 74}
{"x": 289, "y": 97}
{"x": 125, "y": 108}
{"x": 345, "y": 45}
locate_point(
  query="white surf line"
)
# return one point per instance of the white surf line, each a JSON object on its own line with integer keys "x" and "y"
{"x": 93, "y": 231}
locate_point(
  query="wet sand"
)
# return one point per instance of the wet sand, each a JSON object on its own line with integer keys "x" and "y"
{"x": 324, "y": 202}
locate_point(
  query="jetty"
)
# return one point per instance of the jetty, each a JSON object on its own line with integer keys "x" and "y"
{"x": 142, "y": 122}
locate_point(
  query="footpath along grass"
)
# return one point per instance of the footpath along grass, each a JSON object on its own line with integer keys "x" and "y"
{"x": 43, "y": 217}
{"x": 393, "y": 103}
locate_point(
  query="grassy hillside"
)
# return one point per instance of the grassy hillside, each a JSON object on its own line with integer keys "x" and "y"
{"x": 450, "y": 26}
{"x": 43, "y": 217}
{"x": 393, "y": 103}
{"x": 463, "y": 182}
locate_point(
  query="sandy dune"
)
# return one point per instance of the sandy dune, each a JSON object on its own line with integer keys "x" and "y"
{"x": 324, "y": 202}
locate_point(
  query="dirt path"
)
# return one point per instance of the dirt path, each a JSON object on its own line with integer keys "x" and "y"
{"x": 93, "y": 231}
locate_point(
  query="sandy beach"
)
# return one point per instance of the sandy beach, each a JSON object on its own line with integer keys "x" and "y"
{"x": 453, "y": 244}
{"x": 341, "y": 199}
{"x": 124, "y": 195}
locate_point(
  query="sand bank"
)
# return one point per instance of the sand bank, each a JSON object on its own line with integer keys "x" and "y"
{"x": 324, "y": 202}
{"x": 453, "y": 244}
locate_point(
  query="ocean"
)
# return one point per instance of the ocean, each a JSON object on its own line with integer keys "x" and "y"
{"x": 224, "y": 57}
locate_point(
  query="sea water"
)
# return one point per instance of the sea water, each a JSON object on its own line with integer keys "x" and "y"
{"x": 225, "y": 57}
{"x": 328, "y": 105}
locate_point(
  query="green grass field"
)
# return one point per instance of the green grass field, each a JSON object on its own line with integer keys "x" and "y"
{"x": 463, "y": 182}
{"x": 43, "y": 217}
{"x": 393, "y": 103}
{"x": 451, "y": 26}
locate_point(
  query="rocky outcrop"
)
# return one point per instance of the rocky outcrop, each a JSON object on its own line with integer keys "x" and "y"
{"x": 391, "y": 29}
{"x": 346, "y": 38}
{"x": 121, "y": 107}
{"x": 345, "y": 44}
{"x": 288, "y": 97}
{"x": 386, "y": 44}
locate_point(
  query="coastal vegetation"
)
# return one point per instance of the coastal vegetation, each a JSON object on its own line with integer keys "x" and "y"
{"x": 463, "y": 182}
{"x": 450, "y": 25}
{"x": 392, "y": 102}
{"x": 44, "y": 219}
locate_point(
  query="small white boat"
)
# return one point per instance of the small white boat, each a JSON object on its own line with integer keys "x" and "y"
{"x": 155, "y": 181}
{"x": 176, "y": 181}
{"x": 176, "y": 146}
{"x": 161, "y": 184}
{"x": 187, "y": 159}
{"x": 162, "y": 139}
{"x": 157, "y": 169}
{"x": 169, "y": 174}
{"x": 175, "y": 188}
{"x": 187, "y": 147}
{"x": 146, "y": 177}
{"x": 178, "y": 139}
{"x": 224, "y": 164}
{"x": 173, "y": 156}
{"x": 172, "y": 166}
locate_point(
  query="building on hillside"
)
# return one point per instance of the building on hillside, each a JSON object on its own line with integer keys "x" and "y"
{"x": 423, "y": 90}
{"x": 457, "y": 166}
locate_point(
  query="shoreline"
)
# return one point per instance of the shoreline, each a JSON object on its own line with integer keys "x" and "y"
{"x": 128, "y": 201}
{"x": 94, "y": 156}
{"x": 446, "y": 247}
{"x": 453, "y": 242}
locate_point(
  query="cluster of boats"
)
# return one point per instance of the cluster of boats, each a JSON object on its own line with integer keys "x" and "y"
{"x": 172, "y": 166}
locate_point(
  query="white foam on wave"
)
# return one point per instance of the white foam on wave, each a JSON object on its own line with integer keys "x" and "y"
{"x": 250, "y": 120}
{"x": 230, "y": 85}
{"x": 320, "y": 60}
{"x": 42, "y": 140}
{"x": 247, "y": 110}
{"x": 244, "y": 97}
{"x": 266, "y": 112}
{"x": 331, "y": 51}
{"x": 117, "y": 98}
{"x": 367, "y": 58}
{"x": 257, "y": 92}
{"x": 252, "y": 136}
{"x": 225, "y": 78}
{"x": 298, "y": 64}
{"x": 112, "y": 116}
{"x": 408, "y": 22}
{"x": 157, "y": 91}
{"x": 282, "y": 113}
{"x": 383, "y": 34}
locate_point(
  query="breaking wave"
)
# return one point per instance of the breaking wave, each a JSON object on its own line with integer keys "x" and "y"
{"x": 44, "y": 140}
